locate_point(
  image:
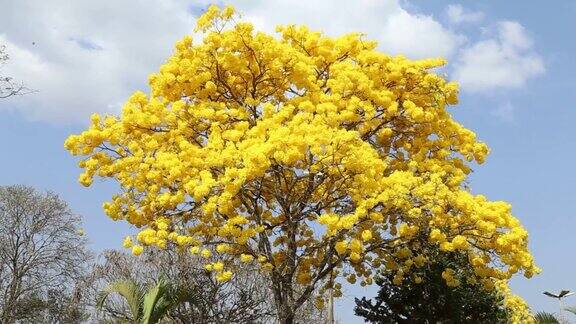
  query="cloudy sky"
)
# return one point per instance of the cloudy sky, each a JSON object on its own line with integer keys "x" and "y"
{"x": 515, "y": 65}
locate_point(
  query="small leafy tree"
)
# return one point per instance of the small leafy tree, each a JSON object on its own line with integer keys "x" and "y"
{"x": 425, "y": 297}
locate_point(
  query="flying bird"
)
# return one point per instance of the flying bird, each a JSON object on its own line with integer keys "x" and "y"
{"x": 562, "y": 294}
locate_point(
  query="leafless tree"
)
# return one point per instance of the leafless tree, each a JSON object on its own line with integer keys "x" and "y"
{"x": 244, "y": 299}
{"x": 8, "y": 86}
{"x": 43, "y": 256}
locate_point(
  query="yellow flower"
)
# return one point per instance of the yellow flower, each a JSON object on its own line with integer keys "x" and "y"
{"x": 137, "y": 249}
{"x": 460, "y": 242}
{"x": 228, "y": 12}
{"x": 127, "y": 242}
{"x": 341, "y": 247}
{"x": 367, "y": 235}
{"x": 224, "y": 276}
{"x": 206, "y": 253}
{"x": 222, "y": 248}
{"x": 218, "y": 266}
{"x": 246, "y": 258}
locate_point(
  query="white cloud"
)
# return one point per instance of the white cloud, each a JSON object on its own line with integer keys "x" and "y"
{"x": 505, "y": 112}
{"x": 514, "y": 35}
{"x": 457, "y": 15}
{"x": 397, "y": 30}
{"x": 418, "y": 36}
{"x": 84, "y": 56}
{"x": 90, "y": 55}
{"x": 506, "y": 61}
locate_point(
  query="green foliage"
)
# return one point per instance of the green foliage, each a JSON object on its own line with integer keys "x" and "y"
{"x": 158, "y": 301}
{"x": 145, "y": 306}
{"x": 198, "y": 298}
{"x": 432, "y": 301}
{"x": 545, "y": 318}
{"x": 130, "y": 291}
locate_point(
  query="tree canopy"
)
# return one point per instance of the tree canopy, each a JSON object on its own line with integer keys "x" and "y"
{"x": 43, "y": 256}
{"x": 427, "y": 299}
{"x": 312, "y": 156}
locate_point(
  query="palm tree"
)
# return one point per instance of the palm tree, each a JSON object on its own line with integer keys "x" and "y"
{"x": 545, "y": 318}
{"x": 145, "y": 306}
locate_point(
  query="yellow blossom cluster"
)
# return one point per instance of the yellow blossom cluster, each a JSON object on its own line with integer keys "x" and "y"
{"x": 517, "y": 308}
{"x": 451, "y": 281}
{"x": 218, "y": 267}
{"x": 306, "y": 154}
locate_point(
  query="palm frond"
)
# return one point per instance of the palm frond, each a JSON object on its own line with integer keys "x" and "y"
{"x": 157, "y": 301}
{"x": 545, "y": 318}
{"x": 128, "y": 289}
{"x": 571, "y": 309}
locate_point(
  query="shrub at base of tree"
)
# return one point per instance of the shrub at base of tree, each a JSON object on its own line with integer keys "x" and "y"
{"x": 426, "y": 298}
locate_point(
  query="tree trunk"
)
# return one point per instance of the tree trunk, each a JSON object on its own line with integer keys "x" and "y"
{"x": 286, "y": 315}
{"x": 10, "y": 301}
{"x": 285, "y": 309}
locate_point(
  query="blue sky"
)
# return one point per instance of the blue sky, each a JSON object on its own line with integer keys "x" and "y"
{"x": 516, "y": 65}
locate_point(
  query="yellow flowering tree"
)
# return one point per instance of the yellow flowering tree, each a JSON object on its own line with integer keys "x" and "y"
{"x": 314, "y": 157}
